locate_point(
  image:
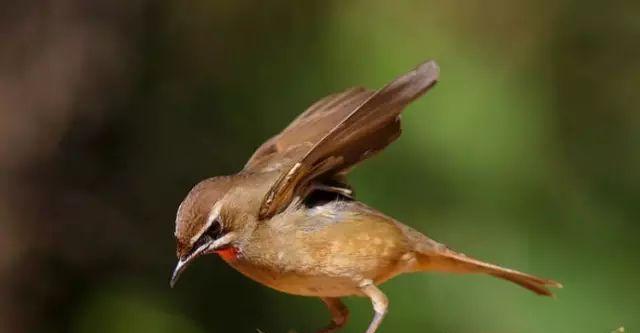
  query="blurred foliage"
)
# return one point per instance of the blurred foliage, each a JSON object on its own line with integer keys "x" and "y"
{"x": 526, "y": 154}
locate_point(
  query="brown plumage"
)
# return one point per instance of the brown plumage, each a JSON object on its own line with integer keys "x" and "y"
{"x": 289, "y": 219}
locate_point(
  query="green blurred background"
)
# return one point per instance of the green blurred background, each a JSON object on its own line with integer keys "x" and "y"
{"x": 527, "y": 154}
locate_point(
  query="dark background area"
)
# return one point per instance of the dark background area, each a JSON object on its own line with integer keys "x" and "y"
{"x": 527, "y": 154}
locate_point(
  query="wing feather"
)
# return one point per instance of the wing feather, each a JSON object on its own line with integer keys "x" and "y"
{"x": 307, "y": 129}
{"x": 337, "y": 133}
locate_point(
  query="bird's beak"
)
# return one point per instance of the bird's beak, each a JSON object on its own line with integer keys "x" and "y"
{"x": 206, "y": 248}
{"x": 183, "y": 262}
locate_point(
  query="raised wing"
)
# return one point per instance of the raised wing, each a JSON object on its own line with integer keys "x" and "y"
{"x": 307, "y": 129}
{"x": 364, "y": 125}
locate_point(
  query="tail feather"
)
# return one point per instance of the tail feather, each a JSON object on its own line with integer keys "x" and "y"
{"x": 453, "y": 262}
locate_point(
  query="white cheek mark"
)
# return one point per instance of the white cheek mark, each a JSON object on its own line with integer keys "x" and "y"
{"x": 222, "y": 241}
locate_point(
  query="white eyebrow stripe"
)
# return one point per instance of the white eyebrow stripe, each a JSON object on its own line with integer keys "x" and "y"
{"x": 213, "y": 214}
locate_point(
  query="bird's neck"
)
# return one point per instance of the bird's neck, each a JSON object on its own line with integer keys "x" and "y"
{"x": 229, "y": 253}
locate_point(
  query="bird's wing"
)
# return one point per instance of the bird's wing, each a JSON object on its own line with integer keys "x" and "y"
{"x": 330, "y": 145}
{"x": 307, "y": 129}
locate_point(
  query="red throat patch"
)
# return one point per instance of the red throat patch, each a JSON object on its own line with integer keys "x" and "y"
{"x": 228, "y": 253}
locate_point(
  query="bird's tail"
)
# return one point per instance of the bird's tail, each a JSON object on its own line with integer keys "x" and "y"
{"x": 446, "y": 260}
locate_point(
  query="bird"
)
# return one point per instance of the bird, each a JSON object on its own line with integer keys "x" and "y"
{"x": 290, "y": 220}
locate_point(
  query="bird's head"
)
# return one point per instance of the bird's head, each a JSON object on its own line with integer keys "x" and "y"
{"x": 205, "y": 223}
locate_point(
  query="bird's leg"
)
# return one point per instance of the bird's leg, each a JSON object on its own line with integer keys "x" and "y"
{"x": 339, "y": 314}
{"x": 379, "y": 301}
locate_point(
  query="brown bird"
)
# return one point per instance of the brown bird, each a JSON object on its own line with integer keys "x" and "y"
{"x": 290, "y": 221}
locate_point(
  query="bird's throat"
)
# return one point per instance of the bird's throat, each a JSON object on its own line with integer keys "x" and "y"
{"x": 229, "y": 253}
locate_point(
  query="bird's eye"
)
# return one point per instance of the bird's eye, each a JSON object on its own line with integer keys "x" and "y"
{"x": 201, "y": 241}
{"x": 215, "y": 230}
